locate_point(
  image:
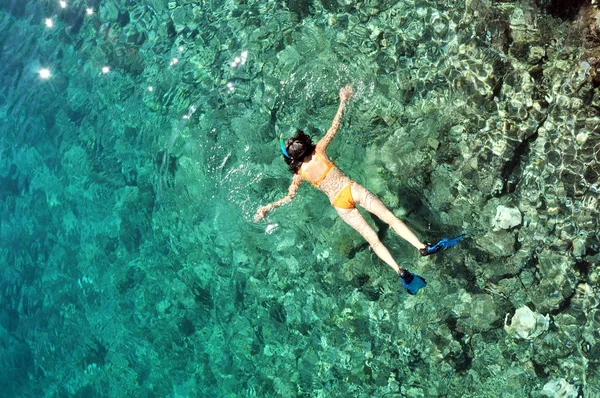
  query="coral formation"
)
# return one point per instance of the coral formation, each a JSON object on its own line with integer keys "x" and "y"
{"x": 526, "y": 324}
{"x": 506, "y": 218}
{"x": 559, "y": 389}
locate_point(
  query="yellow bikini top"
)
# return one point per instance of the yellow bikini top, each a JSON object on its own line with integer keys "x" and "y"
{"x": 318, "y": 180}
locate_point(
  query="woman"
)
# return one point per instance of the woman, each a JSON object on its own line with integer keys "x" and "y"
{"x": 310, "y": 163}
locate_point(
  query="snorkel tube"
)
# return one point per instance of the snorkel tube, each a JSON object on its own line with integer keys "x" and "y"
{"x": 282, "y": 145}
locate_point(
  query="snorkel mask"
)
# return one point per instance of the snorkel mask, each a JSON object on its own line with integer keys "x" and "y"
{"x": 282, "y": 145}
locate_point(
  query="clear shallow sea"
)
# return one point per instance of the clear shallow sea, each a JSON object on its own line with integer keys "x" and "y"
{"x": 139, "y": 138}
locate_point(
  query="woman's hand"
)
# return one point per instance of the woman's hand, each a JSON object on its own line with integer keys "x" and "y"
{"x": 260, "y": 213}
{"x": 346, "y": 93}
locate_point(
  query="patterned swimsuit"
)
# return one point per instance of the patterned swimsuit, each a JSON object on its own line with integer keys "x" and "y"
{"x": 334, "y": 183}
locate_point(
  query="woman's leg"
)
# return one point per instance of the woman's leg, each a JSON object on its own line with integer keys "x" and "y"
{"x": 353, "y": 218}
{"x": 372, "y": 204}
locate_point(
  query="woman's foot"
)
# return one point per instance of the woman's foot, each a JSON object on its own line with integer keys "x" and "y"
{"x": 413, "y": 283}
{"x": 444, "y": 243}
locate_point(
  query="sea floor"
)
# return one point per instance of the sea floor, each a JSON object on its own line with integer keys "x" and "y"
{"x": 138, "y": 140}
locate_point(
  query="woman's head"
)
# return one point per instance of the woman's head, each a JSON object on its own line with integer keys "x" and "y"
{"x": 298, "y": 148}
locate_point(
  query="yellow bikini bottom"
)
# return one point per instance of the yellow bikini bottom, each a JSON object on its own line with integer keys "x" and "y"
{"x": 344, "y": 200}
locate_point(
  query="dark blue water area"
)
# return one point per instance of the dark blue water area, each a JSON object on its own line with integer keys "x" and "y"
{"x": 138, "y": 140}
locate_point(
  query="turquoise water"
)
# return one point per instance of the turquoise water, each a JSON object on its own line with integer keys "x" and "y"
{"x": 139, "y": 138}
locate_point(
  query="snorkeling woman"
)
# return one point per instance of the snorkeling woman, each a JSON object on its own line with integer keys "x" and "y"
{"x": 309, "y": 162}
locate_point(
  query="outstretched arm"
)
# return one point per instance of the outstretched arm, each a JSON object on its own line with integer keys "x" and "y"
{"x": 345, "y": 94}
{"x": 262, "y": 211}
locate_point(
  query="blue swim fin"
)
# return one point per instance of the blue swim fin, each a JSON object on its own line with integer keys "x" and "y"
{"x": 412, "y": 282}
{"x": 444, "y": 243}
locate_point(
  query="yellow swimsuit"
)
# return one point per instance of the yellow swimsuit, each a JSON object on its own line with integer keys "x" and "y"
{"x": 344, "y": 199}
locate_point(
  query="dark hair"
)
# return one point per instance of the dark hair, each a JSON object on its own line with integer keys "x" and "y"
{"x": 298, "y": 147}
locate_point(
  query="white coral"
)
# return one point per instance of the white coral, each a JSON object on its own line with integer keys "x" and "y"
{"x": 559, "y": 389}
{"x": 506, "y": 218}
{"x": 526, "y": 324}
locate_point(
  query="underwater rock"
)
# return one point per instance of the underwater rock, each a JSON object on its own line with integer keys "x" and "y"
{"x": 536, "y": 54}
{"x": 557, "y": 282}
{"x": 584, "y": 306}
{"x": 594, "y": 271}
{"x": 183, "y": 17}
{"x": 522, "y": 26}
{"x": 109, "y": 12}
{"x": 578, "y": 248}
{"x": 591, "y": 22}
{"x": 497, "y": 243}
{"x": 442, "y": 191}
{"x": 526, "y": 324}
{"x": 477, "y": 312}
{"x": 21, "y": 359}
{"x": 506, "y": 218}
{"x": 559, "y": 388}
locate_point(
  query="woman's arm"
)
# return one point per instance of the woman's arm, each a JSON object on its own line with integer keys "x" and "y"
{"x": 345, "y": 94}
{"x": 262, "y": 211}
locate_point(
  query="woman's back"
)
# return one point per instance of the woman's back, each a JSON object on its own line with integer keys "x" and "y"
{"x": 320, "y": 171}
